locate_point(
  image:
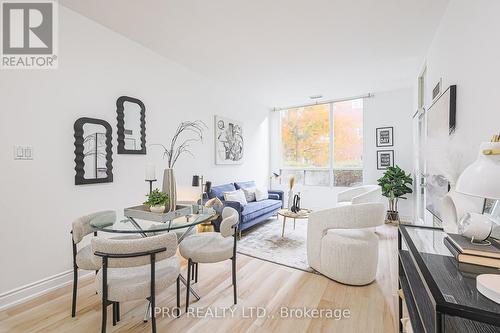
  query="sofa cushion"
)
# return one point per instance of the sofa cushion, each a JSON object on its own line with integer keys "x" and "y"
{"x": 249, "y": 184}
{"x": 258, "y": 208}
{"x": 218, "y": 191}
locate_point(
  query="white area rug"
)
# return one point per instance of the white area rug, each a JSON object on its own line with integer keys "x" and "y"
{"x": 264, "y": 241}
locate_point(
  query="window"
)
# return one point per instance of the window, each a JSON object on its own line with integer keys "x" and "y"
{"x": 323, "y": 144}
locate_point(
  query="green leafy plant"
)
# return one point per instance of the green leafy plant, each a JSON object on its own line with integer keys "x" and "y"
{"x": 157, "y": 198}
{"x": 394, "y": 185}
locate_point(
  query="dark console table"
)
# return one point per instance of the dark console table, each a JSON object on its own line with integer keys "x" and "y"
{"x": 440, "y": 294}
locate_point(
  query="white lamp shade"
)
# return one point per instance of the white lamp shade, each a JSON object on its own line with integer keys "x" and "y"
{"x": 482, "y": 178}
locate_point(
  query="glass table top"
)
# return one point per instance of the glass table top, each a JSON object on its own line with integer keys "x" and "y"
{"x": 117, "y": 222}
{"x": 456, "y": 282}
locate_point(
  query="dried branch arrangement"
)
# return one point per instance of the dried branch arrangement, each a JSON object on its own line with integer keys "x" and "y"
{"x": 187, "y": 133}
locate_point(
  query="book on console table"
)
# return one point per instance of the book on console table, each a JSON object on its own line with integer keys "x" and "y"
{"x": 466, "y": 252}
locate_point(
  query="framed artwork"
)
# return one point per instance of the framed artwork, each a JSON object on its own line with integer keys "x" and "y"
{"x": 229, "y": 143}
{"x": 385, "y": 136}
{"x": 441, "y": 120}
{"x": 385, "y": 159}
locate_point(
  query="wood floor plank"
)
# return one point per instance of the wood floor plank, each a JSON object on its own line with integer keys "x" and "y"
{"x": 261, "y": 285}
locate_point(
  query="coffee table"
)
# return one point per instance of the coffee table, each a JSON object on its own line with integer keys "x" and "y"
{"x": 286, "y": 213}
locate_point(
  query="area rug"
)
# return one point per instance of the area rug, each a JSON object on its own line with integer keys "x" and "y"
{"x": 265, "y": 242}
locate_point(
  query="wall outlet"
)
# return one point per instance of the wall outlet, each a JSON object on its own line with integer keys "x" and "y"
{"x": 23, "y": 152}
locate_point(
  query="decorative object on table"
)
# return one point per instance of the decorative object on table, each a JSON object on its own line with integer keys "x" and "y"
{"x": 291, "y": 184}
{"x": 441, "y": 121}
{"x": 296, "y": 203}
{"x": 142, "y": 212}
{"x": 394, "y": 184}
{"x": 131, "y": 116}
{"x": 476, "y": 227}
{"x": 385, "y": 159}
{"x": 288, "y": 213}
{"x": 157, "y": 201}
{"x": 93, "y": 153}
{"x": 187, "y": 132}
{"x": 436, "y": 91}
{"x": 229, "y": 143}
{"x": 489, "y": 286}
{"x": 385, "y": 136}
{"x": 150, "y": 176}
{"x": 472, "y": 253}
{"x": 204, "y": 186}
{"x": 481, "y": 179}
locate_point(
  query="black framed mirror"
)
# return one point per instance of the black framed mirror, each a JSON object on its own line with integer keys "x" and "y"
{"x": 131, "y": 125}
{"x": 93, "y": 154}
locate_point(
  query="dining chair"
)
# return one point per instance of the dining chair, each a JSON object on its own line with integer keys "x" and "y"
{"x": 212, "y": 247}
{"x": 135, "y": 269}
{"x": 82, "y": 258}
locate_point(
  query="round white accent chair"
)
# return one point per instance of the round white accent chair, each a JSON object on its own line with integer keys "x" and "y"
{"x": 135, "y": 269}
{"x": 360, "y": 194}
{"x": 82, "y": 257}
{"x": 341, "y": 243}
{"x": 212, "y": 247}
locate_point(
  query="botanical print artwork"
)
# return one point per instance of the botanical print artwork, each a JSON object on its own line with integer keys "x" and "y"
{"x": 228, "y": 141}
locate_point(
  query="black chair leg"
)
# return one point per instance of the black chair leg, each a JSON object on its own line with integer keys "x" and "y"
{"x": 188, "y": 284}
{"x": 114, "y": 313}
{"x": 234, "y": 279}
{"x": 104, "y": 316}
{"x": 196, "y": 273}
{"x": 178, "y": 285}
{"x": 117, "y": 311}
{"x": 75, "y": 287}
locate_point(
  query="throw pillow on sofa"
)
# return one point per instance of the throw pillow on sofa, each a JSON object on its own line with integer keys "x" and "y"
{"x": 238, "y": 196}
{"x": 261, "y": 194}
{"x": 249, "y": 193}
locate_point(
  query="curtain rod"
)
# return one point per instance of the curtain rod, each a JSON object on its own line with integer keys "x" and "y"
{"x": 323, "y": 102}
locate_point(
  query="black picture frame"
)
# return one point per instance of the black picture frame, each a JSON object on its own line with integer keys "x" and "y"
{"x": 79, "y": 152}
{"x": 121, "y": 125}
{"x": 381, "y": 163}
{"x": 380, "y": 136}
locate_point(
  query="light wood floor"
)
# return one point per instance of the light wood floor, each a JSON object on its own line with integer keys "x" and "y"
{"x": 373, "y": 308}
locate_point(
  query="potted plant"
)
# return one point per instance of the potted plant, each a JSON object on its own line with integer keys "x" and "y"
{"x": 157, "y": 201}
{"x": 394, "y": 185}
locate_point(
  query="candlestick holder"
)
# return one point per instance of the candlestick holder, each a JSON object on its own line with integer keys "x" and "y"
{"x": 151, "y": 181}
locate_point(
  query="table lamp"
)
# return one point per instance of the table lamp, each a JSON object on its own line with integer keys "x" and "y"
{"x": 482, "y": 179}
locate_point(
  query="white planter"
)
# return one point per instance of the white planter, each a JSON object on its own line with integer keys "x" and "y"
{"x": 157, "y": 209}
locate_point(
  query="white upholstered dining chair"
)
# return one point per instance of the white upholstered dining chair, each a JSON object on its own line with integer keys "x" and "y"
{"x": 360, "y": 194}
{"x": 82, "y": 257}
{"x": 341, "y": 244}
{"x": 212, "y": 247}
{"x": 135, "y": 269}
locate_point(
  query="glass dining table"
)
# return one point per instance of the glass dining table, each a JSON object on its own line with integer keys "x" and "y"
{"x": 124, "y": 223}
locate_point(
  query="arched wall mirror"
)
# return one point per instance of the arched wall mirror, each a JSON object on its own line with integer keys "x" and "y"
{"x": 93, "y": 154}
{"x": 131, "y": 125}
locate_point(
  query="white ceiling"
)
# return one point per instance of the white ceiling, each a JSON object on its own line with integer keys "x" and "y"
{"x": 279, "y": 52}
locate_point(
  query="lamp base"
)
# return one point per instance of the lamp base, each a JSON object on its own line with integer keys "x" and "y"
{"x": 489, "y": 286}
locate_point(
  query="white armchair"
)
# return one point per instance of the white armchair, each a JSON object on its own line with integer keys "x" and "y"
{"x": 340, "y": 244}
{"x": 360, "y": 194}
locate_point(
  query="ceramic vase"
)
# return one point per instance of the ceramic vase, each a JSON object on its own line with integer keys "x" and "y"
{"x": 291, "y": 194}
{"x": 157, "y": 209}
{"x": 170, "y": 189}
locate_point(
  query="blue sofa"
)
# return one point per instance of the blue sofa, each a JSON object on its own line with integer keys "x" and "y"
{"x": 254, "y": 212}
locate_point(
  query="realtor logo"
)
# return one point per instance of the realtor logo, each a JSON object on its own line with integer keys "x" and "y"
{"x": 28, "y": 35}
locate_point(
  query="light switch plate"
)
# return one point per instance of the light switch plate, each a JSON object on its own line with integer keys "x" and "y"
{"x": 23, "y": 152}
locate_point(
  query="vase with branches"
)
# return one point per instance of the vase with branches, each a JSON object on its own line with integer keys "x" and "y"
{"x": 394, "y": 185}
{"x": 187, "y": 133}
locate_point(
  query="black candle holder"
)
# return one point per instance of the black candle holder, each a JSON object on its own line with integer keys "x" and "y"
{"x": 151, "y": 181}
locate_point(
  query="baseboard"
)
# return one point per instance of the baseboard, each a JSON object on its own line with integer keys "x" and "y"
{"x": 38, "y": 288}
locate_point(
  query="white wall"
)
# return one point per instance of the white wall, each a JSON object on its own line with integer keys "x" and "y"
{"x": 39, "y": 199}
{"x": 391, "y": 108}
{"x": 465, "y": 51}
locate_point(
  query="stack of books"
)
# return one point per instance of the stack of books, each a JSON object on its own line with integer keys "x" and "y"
{"x": 466, "y": 252}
